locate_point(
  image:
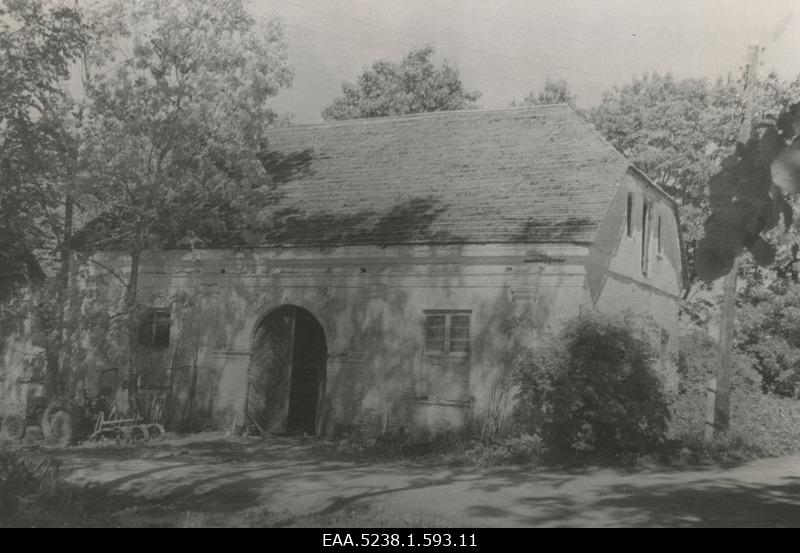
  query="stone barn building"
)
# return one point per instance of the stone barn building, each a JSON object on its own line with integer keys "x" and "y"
{"x": 404, "y": 260}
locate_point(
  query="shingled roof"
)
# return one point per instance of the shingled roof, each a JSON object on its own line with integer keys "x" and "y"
{"x": 530, "y": 175}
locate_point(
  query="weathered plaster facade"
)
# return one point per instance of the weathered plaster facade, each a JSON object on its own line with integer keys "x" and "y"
{"x": 371, "y": 303}
{"x": 631, "y": 271}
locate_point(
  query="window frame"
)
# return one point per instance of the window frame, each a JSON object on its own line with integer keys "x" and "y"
{"x": 447, "y": 350}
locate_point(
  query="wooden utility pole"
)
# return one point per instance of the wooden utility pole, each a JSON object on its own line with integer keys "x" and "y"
{"x": 727, "y": 319}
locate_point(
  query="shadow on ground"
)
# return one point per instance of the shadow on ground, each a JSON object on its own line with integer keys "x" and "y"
{"x": 216, "y": 477}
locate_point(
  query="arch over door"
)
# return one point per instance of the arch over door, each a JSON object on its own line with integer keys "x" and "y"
{"x": 287, "y": 374}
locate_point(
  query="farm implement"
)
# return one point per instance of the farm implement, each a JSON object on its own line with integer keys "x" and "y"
{"x": 65, "y": 422}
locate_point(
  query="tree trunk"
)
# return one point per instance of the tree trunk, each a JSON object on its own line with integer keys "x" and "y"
{"x": 55, "y": 354}
{"x": 133, "y": 334}
{"x": 727, "y": 316}
{"x": 727, "y": 321}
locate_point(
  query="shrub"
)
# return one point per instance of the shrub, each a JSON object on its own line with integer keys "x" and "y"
{"x": 523, "y": 449}
{"x": 693, "y": 448}
{"x": 698, "y": 361}
{"x": 25, "y": 478}
{"x": 592, "y": 393}
{"x": 762, "y": 424}
{"x": 397, "y": 444}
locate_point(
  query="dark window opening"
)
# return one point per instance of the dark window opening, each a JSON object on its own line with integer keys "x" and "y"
{"x": 154, "y": 328}
{"x": 646, "y": 216}
{"x": 447, "y": 333}
{"x": 659, "y": 234}
{"x": 629, "y": 216}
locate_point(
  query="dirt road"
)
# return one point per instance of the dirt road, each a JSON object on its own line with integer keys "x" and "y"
{"x": 214, "y": 474}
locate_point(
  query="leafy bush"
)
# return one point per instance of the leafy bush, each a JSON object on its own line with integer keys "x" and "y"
{"x": 397, "y": 444}
{"x": 592, "y": 393}
{"x": 523, "y": 449}
{"x": 762, "y": 424}
{"x": 698, "y": 360}
{"x": 768, "y": 322}
{"x": 693, "y": 448}
{"x": 455, "y": 448}
{"x": 26, "y": 478}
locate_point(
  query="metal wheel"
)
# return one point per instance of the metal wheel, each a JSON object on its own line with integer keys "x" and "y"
{"x": 156, "y": 431}
{"x": 54, "y": 424}
{"x": 61, "y": 428}
{"x": 110, "y": 434}
{"x": 13, "y": 427}
{"x": 139, "y": 433}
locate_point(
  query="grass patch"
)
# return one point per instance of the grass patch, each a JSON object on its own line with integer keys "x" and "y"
{"x": 446, "y": 449}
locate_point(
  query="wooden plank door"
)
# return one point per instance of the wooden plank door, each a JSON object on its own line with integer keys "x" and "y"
{"x": 271, "y": 371}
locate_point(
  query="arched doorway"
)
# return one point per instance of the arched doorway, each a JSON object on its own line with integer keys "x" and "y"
{"x": 287, "y": 373}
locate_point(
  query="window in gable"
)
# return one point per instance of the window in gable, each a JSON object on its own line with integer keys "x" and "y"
{"x": 646, "y": 217}
{"x": 154, "y": 327}
{"x": 629, "y": 216}
{"x": 659, "y": 234}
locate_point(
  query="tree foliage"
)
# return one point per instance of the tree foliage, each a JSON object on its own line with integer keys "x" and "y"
{"x": 554, "y": 91}
{"x": 676, "y": 131}
{"x": 174, "y": 128}
{"x": 592, "y": 392}
{"x": 768, "y": 321}
{"x": 747, "y": 196}
{"x": 173, "y": 148}
{"x": 415, "y": 85}
{"x": 38, "y": 42}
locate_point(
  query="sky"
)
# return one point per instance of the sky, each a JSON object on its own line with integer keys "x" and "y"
{"x": 506, "y": 48}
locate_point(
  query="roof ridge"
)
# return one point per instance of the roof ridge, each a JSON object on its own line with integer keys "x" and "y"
{"x": 631, "y": 165}
{"x": 412, "y": 116}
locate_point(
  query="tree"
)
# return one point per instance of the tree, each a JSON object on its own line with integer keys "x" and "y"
{"x": 415, "y": 85}
{"x": 38, "y": 148}
{"x": 555, "y": 91}
{"x": 676, "y": 131}
{"x": 679, "y": 132}
{"x": 38, "y": 42}
{"x": 747, "y": 200}
{"x": 768, "y": 320}
{"x": 173, "y": 131}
